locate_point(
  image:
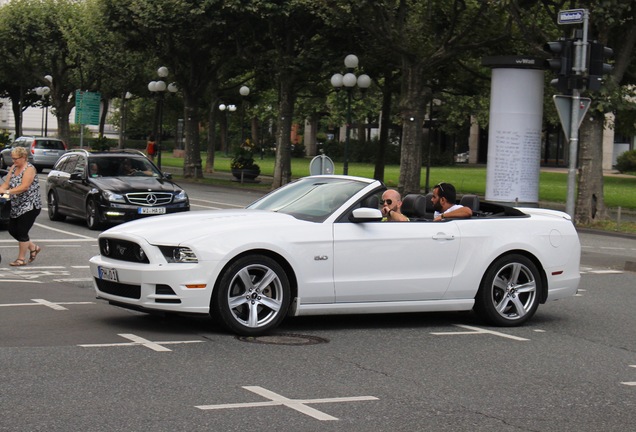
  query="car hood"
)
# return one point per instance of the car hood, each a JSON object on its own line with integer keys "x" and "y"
{"x": 198, "y": 226}
{"x": 134, "y": 184}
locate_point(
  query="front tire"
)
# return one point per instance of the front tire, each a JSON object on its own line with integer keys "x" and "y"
{"x": 54, "y": 210}
{"x": 92, "y": 215}
{"x": 509, "y": 293}
{"x": 253, "y": 296}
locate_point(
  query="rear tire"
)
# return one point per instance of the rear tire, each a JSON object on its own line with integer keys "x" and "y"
{"x": 509, "y": 293}
{"x": 252, "y": 297}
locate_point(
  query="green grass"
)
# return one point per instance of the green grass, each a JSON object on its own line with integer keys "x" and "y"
{"x": 619, "y": 191}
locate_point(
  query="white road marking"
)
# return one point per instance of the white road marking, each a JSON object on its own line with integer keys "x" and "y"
{"x": 42, "y": 302}
{"x": 477, "y": 330}
{"x": 299, "y": 405}
{"x": 139, "y": 341}
{"x": 629, "y": 383}
{"x": 218, "y": 203}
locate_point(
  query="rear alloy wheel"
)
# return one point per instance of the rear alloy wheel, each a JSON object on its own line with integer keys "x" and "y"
{"x": 509, "y": 294}
{"x": 54, "y": 211}
{"x": 92, "y": 215}
{"x": 253, "y": 296}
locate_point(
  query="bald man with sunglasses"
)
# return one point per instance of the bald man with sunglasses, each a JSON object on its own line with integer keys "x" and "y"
{"x": 391, "y": 207}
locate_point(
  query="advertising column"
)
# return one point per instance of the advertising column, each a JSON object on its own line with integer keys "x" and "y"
{"x": 514, "y": 138}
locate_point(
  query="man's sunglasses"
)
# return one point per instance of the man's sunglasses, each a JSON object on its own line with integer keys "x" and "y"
{"x": 387, "y": 202}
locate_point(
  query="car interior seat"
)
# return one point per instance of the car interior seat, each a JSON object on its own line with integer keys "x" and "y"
{"x": 430, "y": 210}
{"x": 371, "y": 202}
{"x": 470, "y": 201}
{"x": 414, "y": 206}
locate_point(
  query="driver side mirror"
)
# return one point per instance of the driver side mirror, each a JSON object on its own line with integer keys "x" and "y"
{"x": 365, "y": 214}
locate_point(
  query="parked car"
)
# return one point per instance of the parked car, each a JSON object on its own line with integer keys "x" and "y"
{"x": 318, "y": 247}
{"x": 5, "y": 203}
{"x": 110, "y": 187}
{"x": 43, "y": 151}
{"x": 462, "y": 157}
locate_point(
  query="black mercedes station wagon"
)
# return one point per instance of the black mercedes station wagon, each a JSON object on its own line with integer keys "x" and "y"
{"x": 110, "y": 187}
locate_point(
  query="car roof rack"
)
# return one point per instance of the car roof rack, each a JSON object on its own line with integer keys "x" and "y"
{"x": 86, "y": 152}
{"x": 131, "y": 151}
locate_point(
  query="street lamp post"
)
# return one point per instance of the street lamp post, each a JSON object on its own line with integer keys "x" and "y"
{"x": 43, "y": 92}
{"x": 159, "y": 87}
{"x": 229, "y": 109}
{"x": 349, "y": 82}
{"x": 243, "y": 91}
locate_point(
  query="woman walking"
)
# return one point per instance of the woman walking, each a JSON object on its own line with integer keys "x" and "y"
{"x": 21, "y": 184}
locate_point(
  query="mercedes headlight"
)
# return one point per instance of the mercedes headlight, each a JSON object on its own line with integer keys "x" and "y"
{"x": 113, "y": 197}
{"x": 180, "y": 196}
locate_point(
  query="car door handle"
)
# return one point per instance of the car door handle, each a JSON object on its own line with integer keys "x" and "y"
{"x": 443, "y": 236}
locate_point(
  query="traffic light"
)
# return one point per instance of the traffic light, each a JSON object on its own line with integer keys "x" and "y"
{"x": 561, "y": 62}
{"x": 597, "y": 67}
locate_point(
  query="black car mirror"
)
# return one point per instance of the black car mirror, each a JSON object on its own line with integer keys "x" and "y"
{"x": 167, "y": 175}
{"x": 76, "y": 176}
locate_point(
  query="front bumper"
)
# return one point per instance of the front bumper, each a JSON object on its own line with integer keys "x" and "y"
{"x": 117, "y": 213}
{"x": 168, "y": 287}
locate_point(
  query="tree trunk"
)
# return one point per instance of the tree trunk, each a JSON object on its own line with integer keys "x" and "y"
{"x": 192, "y": 161}
{"x": 103, "y": 115}
{"x": 282, "y": 167}
{"x": 16, "y": 106}
{"x": 413, "y": 107}
{"x": 590, "y": 201}
{"x": 385, "y": 125}
{"x": 212, "y": 117}
{"x": 311, "y": 145}
{"x": 63, "y": 103}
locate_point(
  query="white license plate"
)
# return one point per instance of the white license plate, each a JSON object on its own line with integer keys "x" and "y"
{"x": 151, "y": 210}
{"x": 108, "y": 274}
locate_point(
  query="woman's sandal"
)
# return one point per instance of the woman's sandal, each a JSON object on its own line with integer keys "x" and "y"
{"x": 17, "y": 263}
{"x": 33, "y": 253}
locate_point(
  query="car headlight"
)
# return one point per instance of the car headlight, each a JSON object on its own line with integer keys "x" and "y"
{"x": 113, "y": 197}
{"x": 180, "y": 196}
{"x": 178, "y": 254}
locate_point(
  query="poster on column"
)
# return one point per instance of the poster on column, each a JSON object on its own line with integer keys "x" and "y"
{"x": 514, "y": 136}
{"x": 514, "y": 154}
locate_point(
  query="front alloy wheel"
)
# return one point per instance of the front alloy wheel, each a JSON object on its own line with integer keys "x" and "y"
{"x": 92, "y": 215}
{"x": 53, "y": 208}
{"x": 509, "y": 294}
{"x": 253, "y": 296}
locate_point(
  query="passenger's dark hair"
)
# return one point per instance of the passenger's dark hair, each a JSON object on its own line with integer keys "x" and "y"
{"x": 447, "y": 191}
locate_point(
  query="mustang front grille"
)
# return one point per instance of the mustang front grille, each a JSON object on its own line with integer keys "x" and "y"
{"x": 119, "y": 289}
{"x": 122, "y": 250}
{"x": 149, "y": 199}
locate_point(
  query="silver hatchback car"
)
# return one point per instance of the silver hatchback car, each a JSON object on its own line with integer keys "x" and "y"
{"x": 43, "y": 151}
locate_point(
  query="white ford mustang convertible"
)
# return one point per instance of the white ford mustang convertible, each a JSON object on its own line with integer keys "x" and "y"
{"x": 318, "y": 246}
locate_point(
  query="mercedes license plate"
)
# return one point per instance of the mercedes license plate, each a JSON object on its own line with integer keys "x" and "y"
{"x": 151, "y": 210}
{"x": 108, "y": 274}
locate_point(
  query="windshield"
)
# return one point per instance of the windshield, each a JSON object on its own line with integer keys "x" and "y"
{"x": 312, "y": 199}
{"x": 121, "y": 166}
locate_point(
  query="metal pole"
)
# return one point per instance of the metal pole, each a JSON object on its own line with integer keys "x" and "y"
{"x": 345, "y": 170}
{"x": 574, "y": 142}
{"x": 160, "y": 127}
{"x": 579, "y": 67}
